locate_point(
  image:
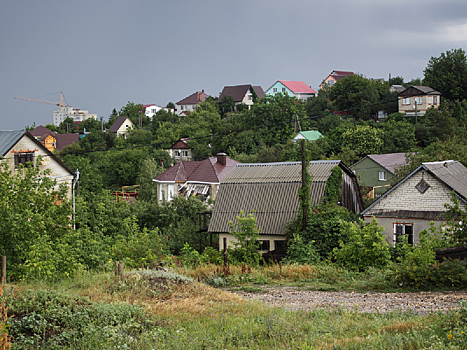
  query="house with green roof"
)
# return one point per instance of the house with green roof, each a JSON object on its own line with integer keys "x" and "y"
{"x": 310, "y": 135}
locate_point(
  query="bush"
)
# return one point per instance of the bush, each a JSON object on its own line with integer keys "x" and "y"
{"x": 246, "y": 241}
{"x": 324, "y": 227}
{"x": 448, "y": 274}
{"x": 366, "y": 246}
{"x": 301, "y": 253}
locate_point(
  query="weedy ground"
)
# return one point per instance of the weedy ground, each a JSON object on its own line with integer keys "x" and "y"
{"x": 153, "y": 309}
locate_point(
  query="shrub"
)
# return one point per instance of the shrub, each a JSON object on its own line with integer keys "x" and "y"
{"x": 300, "y": 252}
{"x": 246, "y": 240}
{"x": 366, "y": 246}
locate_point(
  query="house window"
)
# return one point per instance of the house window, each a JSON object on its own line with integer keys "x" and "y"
{"x": 401, "y": 230}
{"x": 181, "y": 108}
{"x": 382, "y": 176}
{"x": 406, "y": 101}
{"x": 263, "y": 245}
{"x": 418, "y": 100}
{"x": 23, "y": 158}
{"x": 279, "y": 245}
{"x": 177, "y": 154}
{"x": 184, "y": 153}
{"x": 435, "y": 100}
{"x": 283, "y": 89}
{"x": 274, "y": 90}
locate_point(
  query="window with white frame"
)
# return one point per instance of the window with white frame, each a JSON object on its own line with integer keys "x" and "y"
{"x": 382, "y": 176}
{"x": 283, "y": 89}
{"x": 401, "y": 231}
{"x": 418, "y": 100}
{"x": 435, "y": 100}
{"x": 274, "y": 90}
{"x": 406, "y": 101}
{"x": 184, "y": 153}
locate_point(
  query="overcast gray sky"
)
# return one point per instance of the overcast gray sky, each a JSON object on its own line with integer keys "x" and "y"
{"x": 102, "y": 54}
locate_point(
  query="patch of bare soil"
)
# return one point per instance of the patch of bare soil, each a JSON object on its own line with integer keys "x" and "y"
{"x": 295, "y": 299}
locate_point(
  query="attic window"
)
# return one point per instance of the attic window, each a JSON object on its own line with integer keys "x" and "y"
{"x": 422, "y": 186}
{"x": 23, "y": 158}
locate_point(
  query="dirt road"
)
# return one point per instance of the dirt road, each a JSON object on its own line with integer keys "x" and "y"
{"x": 300, "y": 299}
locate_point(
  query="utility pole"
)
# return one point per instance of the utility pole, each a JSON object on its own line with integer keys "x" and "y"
{"x": 416, "y": 110}
{"x": 304, "y": 165}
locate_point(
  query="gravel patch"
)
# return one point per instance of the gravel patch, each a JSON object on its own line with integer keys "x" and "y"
{"x": 295, "y": 299}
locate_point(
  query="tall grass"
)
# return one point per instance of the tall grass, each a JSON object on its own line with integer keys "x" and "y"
{"x": 156, "y": 310}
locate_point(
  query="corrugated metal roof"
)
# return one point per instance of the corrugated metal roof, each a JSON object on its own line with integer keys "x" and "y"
{"x": 271, "y": 190}
{"x": 8, "y": 139}
{"x": 451, "y": 172}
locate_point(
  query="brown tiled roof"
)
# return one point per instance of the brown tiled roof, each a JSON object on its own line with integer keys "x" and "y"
{"x": 238, "y": 92}
{"x": 65, "y": 140}
{"x": 208, "y": 170}
{"x": 40, "y": 131}
{"x": 118, "y": 123}
{"x": 195, "y": 98}
{"x": 179, "y": 144}
{"x": 419, "y": 90}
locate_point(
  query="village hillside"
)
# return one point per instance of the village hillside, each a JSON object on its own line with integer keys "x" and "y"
{"x": 133, "y": 232}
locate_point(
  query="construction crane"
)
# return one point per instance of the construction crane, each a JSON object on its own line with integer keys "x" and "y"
{"x": 42, "y": 101}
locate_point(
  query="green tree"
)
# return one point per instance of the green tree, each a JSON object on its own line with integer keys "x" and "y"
{"x": 32, "y": 210}
{"x": 356, "y": 94}
{"x": 364, "y": 139}
{"x": 68, "y": 126}
{"x": 448, "y": 74}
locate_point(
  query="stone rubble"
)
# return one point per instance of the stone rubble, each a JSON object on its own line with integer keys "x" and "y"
{"x": 299, "y": 299}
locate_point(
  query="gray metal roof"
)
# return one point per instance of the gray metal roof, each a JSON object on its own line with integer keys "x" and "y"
{"x": 271, "y": 190}
{"x": 452, "y": 173}
{"x": 8, "y": 139}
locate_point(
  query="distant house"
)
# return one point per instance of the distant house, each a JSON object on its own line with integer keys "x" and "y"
{"x": 51, "y": 140}
{"x": 180, "y": 151}
{"x": 296, "y": 89}
{"x": 188, "y": 104}
{"x": 121, "y": 126}
{"x": 195, "y": 178}
{"x": 19, "y": 147}
{"x": 375, "y": 171}
{"x": 151, "y": 110}
{"x": 333, "y": 78}
{"x": 417, "y": 200}
{"x": 396, "y": 88}
{"x": 309, "y": 135}
{"x": 271, "y": 190}
{"x": 416, "y": 100}
{"x": 242, "y": 94}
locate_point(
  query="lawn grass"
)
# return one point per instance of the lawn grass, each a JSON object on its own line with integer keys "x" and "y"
{"x": 156, "y": 310}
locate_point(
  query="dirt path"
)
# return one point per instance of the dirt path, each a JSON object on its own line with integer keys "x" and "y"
{"x": 299, "y": 299}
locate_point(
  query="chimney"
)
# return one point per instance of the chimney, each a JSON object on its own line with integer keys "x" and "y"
{"x": 199, "y": 96}
{"x": 222, "y": 158}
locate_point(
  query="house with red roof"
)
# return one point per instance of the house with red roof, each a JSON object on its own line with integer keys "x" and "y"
{"x": 297, "y": 89}
{"x": 242, "y": 94}
{"x": 188, "y": 104}
{"x": 333, "y": 78}
{"x": 196, "y": 178}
